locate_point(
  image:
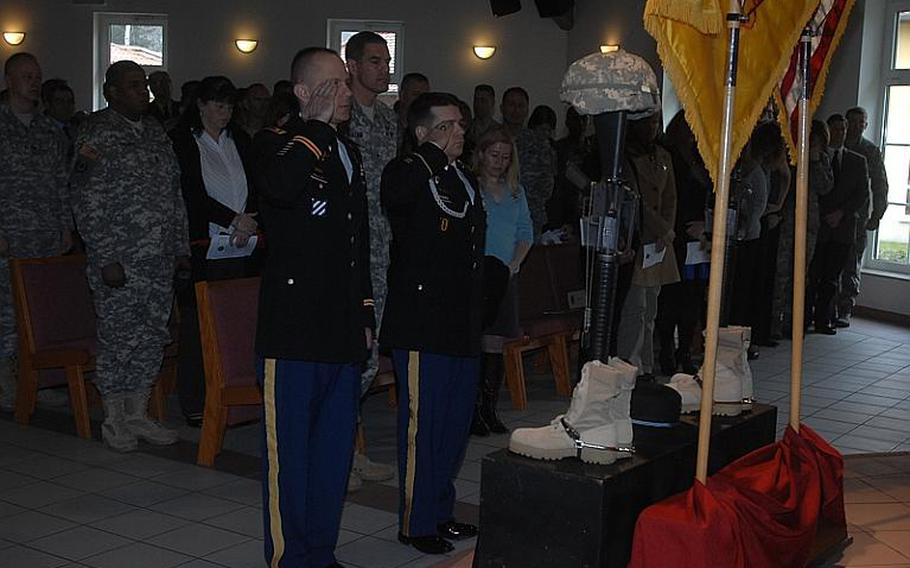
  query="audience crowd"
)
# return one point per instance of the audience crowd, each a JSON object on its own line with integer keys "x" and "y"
{"x": 151, "y": 190}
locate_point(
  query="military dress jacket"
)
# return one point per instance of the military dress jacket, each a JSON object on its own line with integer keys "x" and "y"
{"x": 33, "y": 180}
{"x": 125, "y": 185}
{"x": 435, "y": 295}
{"x": 849, "y": 195}
{"x": 315, "y": 298}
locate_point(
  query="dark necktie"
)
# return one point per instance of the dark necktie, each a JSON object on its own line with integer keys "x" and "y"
{"x": 835, "y": 164}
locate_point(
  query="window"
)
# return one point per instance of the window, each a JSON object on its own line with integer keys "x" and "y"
{"x": 890, "y": 250}
{"x": 340, "y": 31}
{"x": 136, "y": 37}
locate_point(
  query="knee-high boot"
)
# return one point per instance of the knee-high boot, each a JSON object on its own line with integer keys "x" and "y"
{"x": 491, "y": 375}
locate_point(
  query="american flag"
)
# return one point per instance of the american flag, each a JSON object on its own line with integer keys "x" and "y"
{"x": 827, "y": 25}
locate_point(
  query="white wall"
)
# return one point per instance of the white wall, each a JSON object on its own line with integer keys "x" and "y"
{"x": 886, "y": 293}
{"x": 438, "y": 38}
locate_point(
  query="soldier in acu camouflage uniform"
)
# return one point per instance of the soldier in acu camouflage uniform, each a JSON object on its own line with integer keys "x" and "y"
{"x": 536, "y": 156}
{"x": 374, "y": 128}
{"x": 36, "y": 220}
{"x": 129, "y": 209}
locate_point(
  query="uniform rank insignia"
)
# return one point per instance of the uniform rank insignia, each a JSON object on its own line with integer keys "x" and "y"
{"x": 320, "y": 208}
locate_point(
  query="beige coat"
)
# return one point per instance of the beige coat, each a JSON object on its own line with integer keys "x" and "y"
{"x": 657, "y": 187}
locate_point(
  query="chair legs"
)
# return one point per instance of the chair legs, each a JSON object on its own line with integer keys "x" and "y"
{"x": 515, "y": 375}
{"x": 26, "y": 392}
{"x": 558, "y": 350}
{"x": 214, "y": 422}
{"x": 75, "y": 380}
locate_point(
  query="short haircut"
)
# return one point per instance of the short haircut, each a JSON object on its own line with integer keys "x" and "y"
{"x": 357, "y": 43}
{"x": 819, "y": 131}
{"x": 303, "y": 62}
{"x": 216, "y": 88}
{"x": 856, "y": 110}
{"x": 484, "y": 88}
{"x": 51, "y": 87}
{"x": 421, "y": 110}
{"x": 282, "y": 85}
{"x": 155, "y": 75}
{"x": 16, "y": 59}
{"x": 414, "y": 78}
{"x": 542, "y": 115}
{"x": 518, "y": 90}
{"x": 766, "y": 139}
{"x": 836, "y": 117}
{"x": 117, "y": 71}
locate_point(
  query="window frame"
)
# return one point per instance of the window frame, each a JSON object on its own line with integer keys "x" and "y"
{"x": 102, "y": 46}
{"x": 335, "y": 26}
{"x": 890, "y": 77}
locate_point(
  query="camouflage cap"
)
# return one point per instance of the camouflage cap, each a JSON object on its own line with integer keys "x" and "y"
{"x": 607, "y": 82}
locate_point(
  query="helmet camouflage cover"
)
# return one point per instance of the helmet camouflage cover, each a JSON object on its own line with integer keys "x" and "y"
{"x": 608, "y": 82}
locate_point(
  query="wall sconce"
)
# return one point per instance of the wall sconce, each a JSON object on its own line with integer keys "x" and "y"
{"x": 14, "y": 38}
{"x": 609, "y": 48}
{"x": 484, "y": 51}
{"x": 246, "y": 45}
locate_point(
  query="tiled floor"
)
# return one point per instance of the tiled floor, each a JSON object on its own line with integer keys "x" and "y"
{"x": 68, "y": 502}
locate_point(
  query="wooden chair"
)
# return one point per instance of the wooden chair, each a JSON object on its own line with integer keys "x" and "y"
{"x": 57, "y": 336}
{"x": 547, "y": 277}
{"x": 227, "y": 327}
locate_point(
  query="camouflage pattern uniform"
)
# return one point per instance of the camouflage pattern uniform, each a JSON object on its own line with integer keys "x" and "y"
{"x": 129, "y": 209}
{"x": 849, "y": 282}
{"x": 377, "y": 140}
{"x": 821, "y": 180}
{"x": 33, "y": 200}
{"x": 537, "y": 167}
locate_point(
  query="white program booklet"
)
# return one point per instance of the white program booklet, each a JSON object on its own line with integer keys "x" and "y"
{"x": 222, "y": 247}
{"x": 651, "y": 256}
{"x": 696, "y": 255}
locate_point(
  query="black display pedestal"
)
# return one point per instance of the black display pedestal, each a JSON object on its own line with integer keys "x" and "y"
{"x": 566, "y": 514}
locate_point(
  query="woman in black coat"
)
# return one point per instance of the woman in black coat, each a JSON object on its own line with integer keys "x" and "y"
{"x": 216, "y": 180}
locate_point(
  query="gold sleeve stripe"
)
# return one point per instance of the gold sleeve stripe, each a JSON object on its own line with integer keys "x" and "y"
{"x": 309, "y": 144}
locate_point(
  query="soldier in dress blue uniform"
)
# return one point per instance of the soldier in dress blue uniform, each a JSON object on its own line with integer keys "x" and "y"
{"x": 315, "y": 314}
{"x": 432, "y": 319}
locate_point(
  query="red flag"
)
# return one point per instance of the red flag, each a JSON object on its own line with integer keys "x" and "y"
{"x": 828, "y": 25}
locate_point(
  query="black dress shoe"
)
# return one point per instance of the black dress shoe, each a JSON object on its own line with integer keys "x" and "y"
{"x": 825, "y": 330}
{"x": 456, "y": 531}
{"x": 427, "y": 544}
{"x": 841, "y": 322}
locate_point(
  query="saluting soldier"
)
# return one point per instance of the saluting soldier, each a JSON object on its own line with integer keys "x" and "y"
{"x": 130, "y": 213}
{"x": 315, "y": 313}
{"x": 36, "y": 220}
{"x": 432, "y": 319}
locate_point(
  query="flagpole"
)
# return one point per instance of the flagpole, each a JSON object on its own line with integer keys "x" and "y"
{"x": 799, "y": 236}
{"x": 718, "y": 244}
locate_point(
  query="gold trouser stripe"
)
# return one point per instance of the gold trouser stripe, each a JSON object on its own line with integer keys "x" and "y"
{"x": 271, "y": 441}
{"x": 413, "y": 407}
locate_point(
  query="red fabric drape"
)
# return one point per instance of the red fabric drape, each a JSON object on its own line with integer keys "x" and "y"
{"x": 763, "y": 510}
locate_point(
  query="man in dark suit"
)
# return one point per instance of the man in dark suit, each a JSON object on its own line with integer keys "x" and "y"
{"x": 432, "y": 319}
{"x": 839, "y": 211}
{"x": 315, "y": 314}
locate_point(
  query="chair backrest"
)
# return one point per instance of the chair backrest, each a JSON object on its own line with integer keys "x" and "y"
{"x": 535, "y": 294}
{"x": 53, "y": 302}
{"x": 227, "y": 326}
{"x": 564, "y": 267}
